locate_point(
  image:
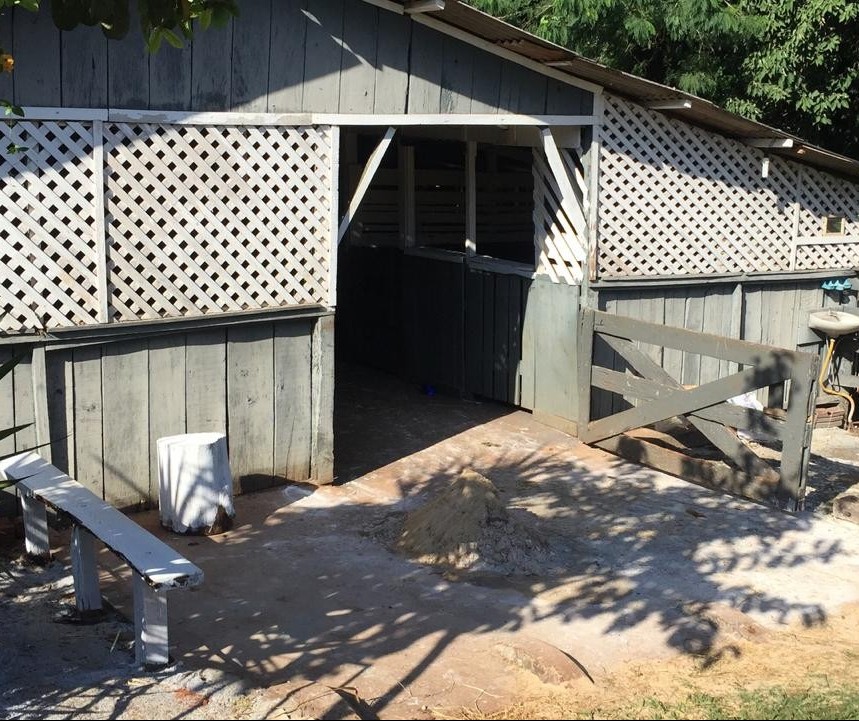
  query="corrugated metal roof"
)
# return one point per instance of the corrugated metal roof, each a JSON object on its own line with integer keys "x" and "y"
{"x": 702, "y": 112}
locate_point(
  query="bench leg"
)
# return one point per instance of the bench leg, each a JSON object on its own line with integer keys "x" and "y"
{"x": 85, "y": 571}
{"x": 35, "y": 527}
{"x": 150, "y": 624}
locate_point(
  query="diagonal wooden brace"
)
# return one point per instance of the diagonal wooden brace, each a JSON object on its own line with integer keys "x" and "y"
{"x": 716, "y": 433}
{"x": 682, "y": 402}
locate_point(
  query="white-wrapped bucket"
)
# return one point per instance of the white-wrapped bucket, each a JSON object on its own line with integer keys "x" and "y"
{"x": 195, "y": 486}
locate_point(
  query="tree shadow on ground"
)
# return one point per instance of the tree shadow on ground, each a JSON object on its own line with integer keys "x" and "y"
{"x": 300, "y": 592}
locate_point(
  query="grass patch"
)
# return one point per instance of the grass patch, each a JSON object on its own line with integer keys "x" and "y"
{"x": 767, "y": 703}
{"x": 775, "y": 702}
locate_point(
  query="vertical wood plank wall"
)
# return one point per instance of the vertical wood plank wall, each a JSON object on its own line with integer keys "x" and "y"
{"x": 287, "y": 56}
{"x": 499, "y": 336}
{"x": 773, "y": 313}
{"x": 108, "y": 404}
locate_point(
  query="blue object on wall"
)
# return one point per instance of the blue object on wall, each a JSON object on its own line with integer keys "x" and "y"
{"x": 836, "y": 284}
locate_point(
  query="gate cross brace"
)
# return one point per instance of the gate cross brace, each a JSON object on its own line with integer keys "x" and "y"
{"x": 723, "y": 439}
{"x": 682, "y": 402}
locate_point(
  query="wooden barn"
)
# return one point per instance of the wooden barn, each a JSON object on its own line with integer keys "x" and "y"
{"x": 185, "y": 234}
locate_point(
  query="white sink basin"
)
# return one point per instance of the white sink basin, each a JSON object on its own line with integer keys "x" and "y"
{"x": 833, "y": 322}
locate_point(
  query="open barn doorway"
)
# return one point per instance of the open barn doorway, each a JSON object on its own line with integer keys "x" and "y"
{"x": 435, "y": 276}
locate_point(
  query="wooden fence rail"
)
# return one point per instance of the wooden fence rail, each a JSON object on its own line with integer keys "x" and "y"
{"x": 660, "y": 397}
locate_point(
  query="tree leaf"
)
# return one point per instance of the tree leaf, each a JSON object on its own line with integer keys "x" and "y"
{"x": 173, "y": 38}
{"x": 221, "y": 15}
{"x": 153, "y": 42}
{"x": 119, "y": 23}
{"x": 66, "y": 14}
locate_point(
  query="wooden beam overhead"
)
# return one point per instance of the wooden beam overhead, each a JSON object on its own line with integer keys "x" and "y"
{"x": 679, "y": 104}
{"x": 182, "y": 117}
{"x": 423, "y": 6}
{"x": 769, "y": 142}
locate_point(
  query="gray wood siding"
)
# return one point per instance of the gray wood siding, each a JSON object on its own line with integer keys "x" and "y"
{"x": 495, "y": 307}
{"x": 109, "y": 403}
{"x": 287, "y": 56}
{"x": 773, "y": 313}
{"x": 549, "y": 350}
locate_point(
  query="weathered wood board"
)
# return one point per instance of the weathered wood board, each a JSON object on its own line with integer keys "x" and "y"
{"x": 108, "y": 403}
{"x": 285, "y": 56}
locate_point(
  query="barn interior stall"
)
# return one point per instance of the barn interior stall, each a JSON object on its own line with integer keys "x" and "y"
{"x": 450, "y": 267}
{"x": 725, "y": 240}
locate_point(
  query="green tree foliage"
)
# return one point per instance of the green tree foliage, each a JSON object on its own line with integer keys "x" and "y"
{"x": 803, "y": 71}
{"x": 791, "y": 63}
{"x": 160, "y": 20}
{"x": 678, "y": 42}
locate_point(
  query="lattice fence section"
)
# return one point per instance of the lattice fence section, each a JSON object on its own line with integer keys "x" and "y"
{"x": 675, "y": 199}
{"x": 213, "y": 219}
{"x": 821, "y": 195}
{"x": 560, "y": 241}
{"x": 48, "y": 251}
{"x": 830, "y": 255}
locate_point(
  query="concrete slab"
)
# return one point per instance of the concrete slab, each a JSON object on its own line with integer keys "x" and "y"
{"x": 298, "y": 597}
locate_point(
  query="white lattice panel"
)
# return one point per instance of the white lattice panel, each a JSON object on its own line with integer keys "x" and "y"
{"x": 822, "y": 194}
{"x": 560, "y": 242}
{"x": 831, "y": 255}
{"x": 675, "y": 199}
{"x": 212, "y": 219}
{"x": 48, "y": 255}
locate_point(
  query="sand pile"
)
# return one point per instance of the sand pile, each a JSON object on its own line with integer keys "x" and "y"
{"x": 468, "y": 528}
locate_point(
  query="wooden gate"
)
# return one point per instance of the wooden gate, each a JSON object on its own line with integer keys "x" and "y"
{"x": 657, "y": 396}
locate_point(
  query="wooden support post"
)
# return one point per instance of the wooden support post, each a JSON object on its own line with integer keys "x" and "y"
{"x": 796, "y": 441}
{"x": 322, "y": 401}
{"x": 150, "y": 624}
{"x": 585, "y": 369}
{"x": 594, "y": 193}
{"x": 39, "y": 372}
{"x": 36, "y": 543}
{"x": 98, "y": 224}
{"x": 334, "y": 213}
{"x": 407, "y": 195}
{"x": 797, "y": 211}
{"x": 470, "y": 197}
{"x": 85, "y": 571}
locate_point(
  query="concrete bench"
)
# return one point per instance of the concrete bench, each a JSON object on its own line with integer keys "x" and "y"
{"x": 156, "y": 567}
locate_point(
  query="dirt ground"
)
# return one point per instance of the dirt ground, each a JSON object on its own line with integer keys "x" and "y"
{"x": 652, "y": 585}
{"x": 797, "y": 659}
